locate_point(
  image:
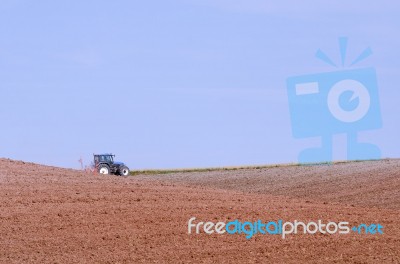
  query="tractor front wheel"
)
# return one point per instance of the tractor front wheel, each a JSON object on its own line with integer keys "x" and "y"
{"x": 124, "y": 171}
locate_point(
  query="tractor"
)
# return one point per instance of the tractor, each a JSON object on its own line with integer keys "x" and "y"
{"x": 105, "y": 164}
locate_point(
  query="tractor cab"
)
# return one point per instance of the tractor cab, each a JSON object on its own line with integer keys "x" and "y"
{"x": 107, "y": 158}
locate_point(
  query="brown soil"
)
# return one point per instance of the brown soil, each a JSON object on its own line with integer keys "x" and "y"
{"x": 55, "y": 215}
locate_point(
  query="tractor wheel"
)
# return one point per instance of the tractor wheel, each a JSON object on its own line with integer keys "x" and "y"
{"x": 124, "y": 171}
{"x": 104, "y": 169}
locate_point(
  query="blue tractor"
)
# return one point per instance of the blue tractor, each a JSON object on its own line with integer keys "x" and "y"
{"x": 105, "y": 164}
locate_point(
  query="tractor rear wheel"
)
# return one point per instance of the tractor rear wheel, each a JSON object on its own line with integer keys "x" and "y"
{"x": 124, "y": 171}
{"x": 104, "y": 169}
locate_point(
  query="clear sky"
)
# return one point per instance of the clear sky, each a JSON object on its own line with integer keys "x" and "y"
{"x": 179, "y": 83}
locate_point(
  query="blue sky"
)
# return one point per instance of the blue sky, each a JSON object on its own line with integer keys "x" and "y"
{"x": 172, "y": 84}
